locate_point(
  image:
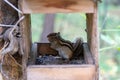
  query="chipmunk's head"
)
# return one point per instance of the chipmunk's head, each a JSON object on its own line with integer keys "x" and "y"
{"x": 53, "y": 36}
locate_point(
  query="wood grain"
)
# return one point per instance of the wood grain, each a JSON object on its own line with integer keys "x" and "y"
{"x": 25, "y": 26}
{"x": 93, "y": 36}
{"x": 57, "y": 6}
{"x": 61, "y": 72}
{"x": 44, "y": 48}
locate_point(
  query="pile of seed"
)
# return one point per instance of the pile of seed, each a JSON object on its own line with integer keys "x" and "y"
{"x": 54, "y": 60}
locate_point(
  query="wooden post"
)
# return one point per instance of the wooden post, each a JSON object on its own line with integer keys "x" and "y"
{"x": 25, "y": 27}
{"x": 92, "y": 34}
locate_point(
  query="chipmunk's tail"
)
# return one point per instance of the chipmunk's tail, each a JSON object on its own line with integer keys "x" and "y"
{"x": 78, "y": 49}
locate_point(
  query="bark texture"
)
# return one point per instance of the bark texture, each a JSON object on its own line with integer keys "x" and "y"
{"x": 11, "y": 62}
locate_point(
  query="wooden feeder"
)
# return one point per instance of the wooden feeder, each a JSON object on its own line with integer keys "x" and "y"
{"x": 87, "y": 71}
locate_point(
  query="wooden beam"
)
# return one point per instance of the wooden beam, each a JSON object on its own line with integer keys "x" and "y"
{"x": 93, "y": 36}
{"x": 61, "y": 72}
{"x": 25, "y": 28}
{"x": 57, "y": 6}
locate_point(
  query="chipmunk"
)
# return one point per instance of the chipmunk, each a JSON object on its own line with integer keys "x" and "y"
{"x": 65, "y": 48}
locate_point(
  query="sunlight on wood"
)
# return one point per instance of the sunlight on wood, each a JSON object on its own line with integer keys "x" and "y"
{"x": 1, "y": 77}
{"x": 55, "y": 6}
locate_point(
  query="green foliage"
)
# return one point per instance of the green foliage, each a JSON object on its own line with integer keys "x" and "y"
{"x": 36, "y": 23}
{"x": 71, "y": 25}
{"x": 109, "y": 24}
{"x": 118, "y": 48}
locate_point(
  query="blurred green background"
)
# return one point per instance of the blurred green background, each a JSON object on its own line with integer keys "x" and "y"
{"x": 73, "y": 25}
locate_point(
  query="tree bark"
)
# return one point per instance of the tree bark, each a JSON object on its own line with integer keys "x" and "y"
{"x": 48, "y": 26}
{"x": 11, "y": 69}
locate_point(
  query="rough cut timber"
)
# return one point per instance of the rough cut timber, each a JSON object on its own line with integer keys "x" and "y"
{"x": 56, "y": 6}
{"x": 61, "y": 72}
{"x": 25, "y": 27}
{"x": 93, "y": 36}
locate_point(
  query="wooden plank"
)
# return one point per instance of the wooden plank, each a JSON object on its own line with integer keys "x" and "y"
{"x": 57, "y": 6}
{"x": 44, "y": 48}
{"x": 61, "y": 72}
{"x": 93, "y": 37}
{"x": 92, "y": 32}
{"x": 25, "y": 28}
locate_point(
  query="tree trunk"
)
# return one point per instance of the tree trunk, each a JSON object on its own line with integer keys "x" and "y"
{"x": 48, "y": 26}
{"x": 10, "y": 68}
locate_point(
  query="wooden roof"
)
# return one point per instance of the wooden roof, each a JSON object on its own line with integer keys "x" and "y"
{"x": 56, "y": 6}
